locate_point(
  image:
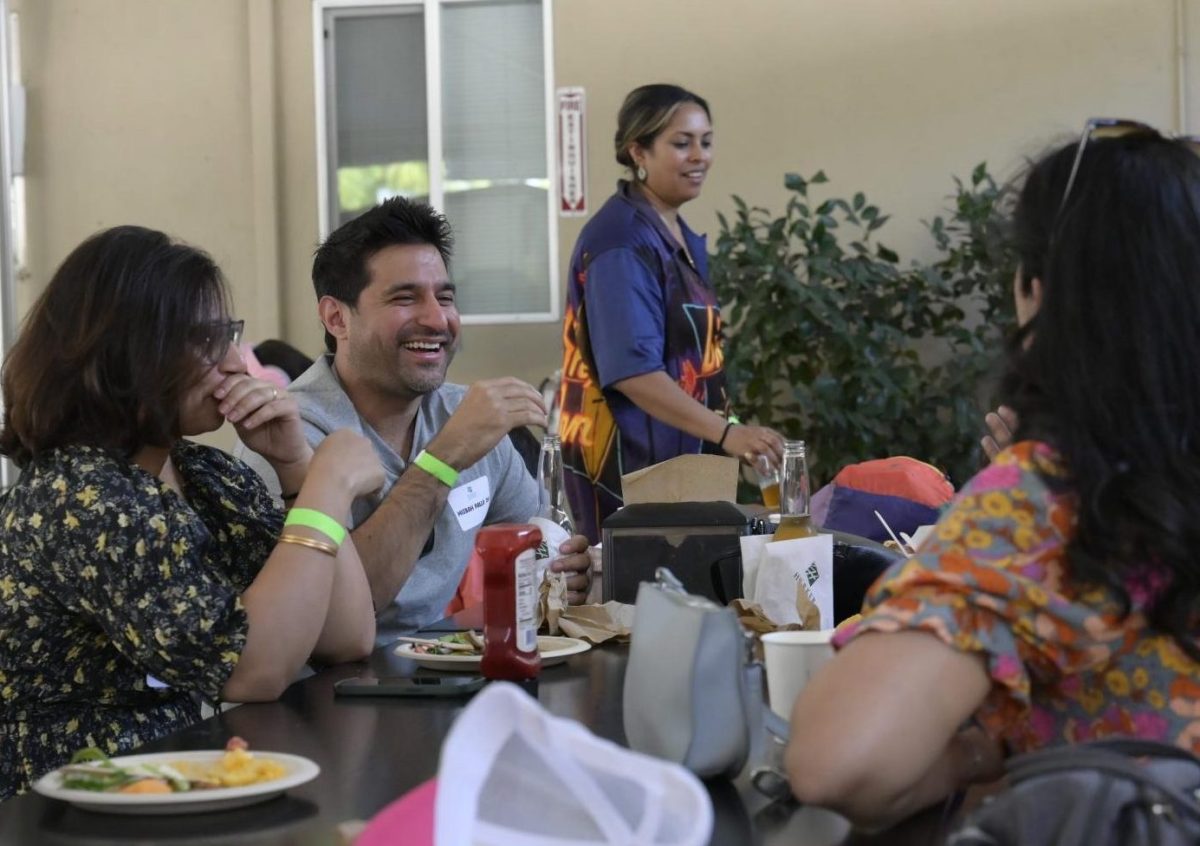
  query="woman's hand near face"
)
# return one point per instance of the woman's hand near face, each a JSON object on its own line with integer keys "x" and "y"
{"x": 266, "y": 418}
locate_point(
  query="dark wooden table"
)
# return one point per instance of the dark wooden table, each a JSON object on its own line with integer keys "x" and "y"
{"x": 373, "y": 749}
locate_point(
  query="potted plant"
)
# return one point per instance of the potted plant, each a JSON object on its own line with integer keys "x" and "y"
{"x": 832, "y": 339}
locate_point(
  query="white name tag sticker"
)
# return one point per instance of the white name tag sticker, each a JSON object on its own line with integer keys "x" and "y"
{"x": 470, "y": 502}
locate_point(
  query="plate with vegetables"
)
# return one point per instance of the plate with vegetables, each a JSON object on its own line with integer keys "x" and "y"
{"x": 462, "y": 651}
{"x": 175, "y": 782}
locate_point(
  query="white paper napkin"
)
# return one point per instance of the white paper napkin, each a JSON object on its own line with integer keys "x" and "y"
{"x": 787, "y": 566}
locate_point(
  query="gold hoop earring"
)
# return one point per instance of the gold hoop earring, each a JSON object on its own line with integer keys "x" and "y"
{"x": 641, "y": 174}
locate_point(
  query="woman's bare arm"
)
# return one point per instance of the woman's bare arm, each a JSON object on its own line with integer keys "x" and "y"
{"x": 876, "y": 734}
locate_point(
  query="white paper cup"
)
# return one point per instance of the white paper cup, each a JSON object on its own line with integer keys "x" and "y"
{"x": 792, "y": 658}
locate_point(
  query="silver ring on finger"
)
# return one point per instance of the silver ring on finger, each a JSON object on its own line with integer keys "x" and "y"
{"x": 274, "y": 394}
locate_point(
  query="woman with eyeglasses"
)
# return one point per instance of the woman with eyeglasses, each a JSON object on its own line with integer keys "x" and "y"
{"x": 1058, "y": 600}
{"x": 141, "y": 573}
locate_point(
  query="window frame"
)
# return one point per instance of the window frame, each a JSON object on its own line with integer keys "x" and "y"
{"x": 324, "y": 10}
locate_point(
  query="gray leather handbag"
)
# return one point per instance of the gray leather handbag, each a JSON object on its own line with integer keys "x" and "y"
{"x": 1105, "y": 793}
{"x": 693, "y": 693}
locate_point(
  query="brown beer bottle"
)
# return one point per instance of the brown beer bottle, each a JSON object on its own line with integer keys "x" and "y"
{"x": 795, "y": 519}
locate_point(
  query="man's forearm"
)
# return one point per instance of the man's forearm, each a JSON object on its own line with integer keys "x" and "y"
{"x": 390, "y": 540}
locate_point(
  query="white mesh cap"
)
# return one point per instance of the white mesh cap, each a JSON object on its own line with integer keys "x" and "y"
{"x": 513, "y": 775}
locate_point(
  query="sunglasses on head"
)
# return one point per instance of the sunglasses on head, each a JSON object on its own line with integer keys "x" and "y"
{"x": 1101, "y": 128}
{"x": 213, "y": 340}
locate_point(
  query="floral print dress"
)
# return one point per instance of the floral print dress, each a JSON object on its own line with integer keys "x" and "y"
{"x": 120, "y": 600}
{"x": 1065, "y": 666}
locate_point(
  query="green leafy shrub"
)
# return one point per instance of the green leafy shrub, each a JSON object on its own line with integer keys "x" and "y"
{"x": 833, "y": 340}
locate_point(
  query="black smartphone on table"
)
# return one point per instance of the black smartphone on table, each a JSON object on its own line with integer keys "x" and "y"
{"x": 417, "y": 686}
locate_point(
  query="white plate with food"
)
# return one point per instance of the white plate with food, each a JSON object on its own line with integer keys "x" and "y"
{"x": 554, "y": 650}
{"x": 176, "y": 782}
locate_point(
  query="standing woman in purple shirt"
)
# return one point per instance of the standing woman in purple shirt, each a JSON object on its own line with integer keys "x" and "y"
{"x": 643, "y": 376}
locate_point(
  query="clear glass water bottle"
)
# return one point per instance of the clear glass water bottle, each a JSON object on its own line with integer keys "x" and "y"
{"x": 552, "y": 517}
{"x": 795, "y": 510}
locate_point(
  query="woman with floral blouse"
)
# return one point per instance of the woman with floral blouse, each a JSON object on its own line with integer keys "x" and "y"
{"x": 1057, "y": 600}
{"x": 141, "y": 572}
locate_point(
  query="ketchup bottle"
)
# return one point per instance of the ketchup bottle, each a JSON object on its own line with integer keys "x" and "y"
{"x": 510, "y": 597}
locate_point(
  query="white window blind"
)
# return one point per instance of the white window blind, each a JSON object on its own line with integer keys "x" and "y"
{"x": 494, "y": 147}
{"x": 461, "y": 121}
{"x": 380, "y": 75}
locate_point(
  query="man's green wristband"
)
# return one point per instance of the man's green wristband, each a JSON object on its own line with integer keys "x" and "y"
{"x": 436, "y": 468}
{"x": 318, "y": 520}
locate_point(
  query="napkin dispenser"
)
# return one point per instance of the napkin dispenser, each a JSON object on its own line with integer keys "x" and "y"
{"x": 697, "y": 541}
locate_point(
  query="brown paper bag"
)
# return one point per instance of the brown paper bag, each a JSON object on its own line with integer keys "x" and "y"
{"x": 552, "y": 601}
{"x": 598, "y": 623}
{"x": 755, "y": 620}
{"x": 593, "y": 623}
{"x": 810, "y": 615}
{"x": 686, "y": 478}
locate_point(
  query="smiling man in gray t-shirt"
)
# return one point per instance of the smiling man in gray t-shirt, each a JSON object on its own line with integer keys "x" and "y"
{"x": 392, "y": 328}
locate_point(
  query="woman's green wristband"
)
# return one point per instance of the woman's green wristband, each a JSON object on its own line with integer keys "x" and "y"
{"x": 436, "y": 468}
{"x": 318, "y": 520}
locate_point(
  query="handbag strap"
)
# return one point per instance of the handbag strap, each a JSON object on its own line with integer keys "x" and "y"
{"x": 776, "y": 724}
{"x": 1136, "y": 747}
{"x": 1118, "y": 750}
{"x": 668, "y": 581}
{"x": 1114, "y": 758}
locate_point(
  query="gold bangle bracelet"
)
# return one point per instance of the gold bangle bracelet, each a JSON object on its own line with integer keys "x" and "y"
{"x": 320, "y": 546}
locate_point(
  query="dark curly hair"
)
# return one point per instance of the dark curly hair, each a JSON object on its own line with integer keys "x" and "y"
{"x": 106, "y": 351}
{"x": 340, "y": 264}
{"x": 1108, "y": 369}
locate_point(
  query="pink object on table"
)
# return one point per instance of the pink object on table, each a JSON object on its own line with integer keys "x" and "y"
{"x": 469, "y": 593}
{"x": 266, "y": 372}
{"x": 408, "y": 820}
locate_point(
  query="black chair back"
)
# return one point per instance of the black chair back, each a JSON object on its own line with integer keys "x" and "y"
{"x": 857, "y": 563}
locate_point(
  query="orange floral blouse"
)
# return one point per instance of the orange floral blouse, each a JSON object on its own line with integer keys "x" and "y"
{"x": 1065, "y": 667}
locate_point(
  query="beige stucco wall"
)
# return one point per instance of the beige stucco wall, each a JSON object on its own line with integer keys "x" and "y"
{"x": 887, "y": 97}
{"x": 138, "y": 112}
{"x": 197, "y": 116}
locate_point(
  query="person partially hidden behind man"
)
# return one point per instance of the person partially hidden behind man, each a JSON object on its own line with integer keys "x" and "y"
{"x": 392, "y": 328}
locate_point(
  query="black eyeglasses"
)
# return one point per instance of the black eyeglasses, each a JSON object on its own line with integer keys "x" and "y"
{"x": 1099, "y": 128}
{"x": 212, "y": 340}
